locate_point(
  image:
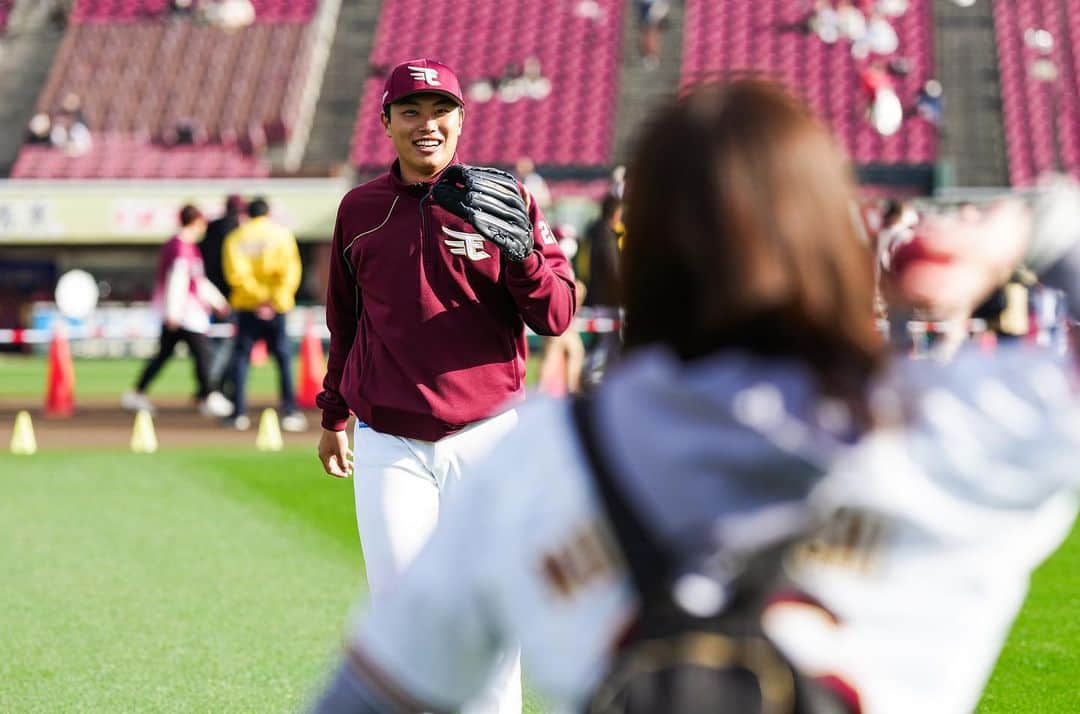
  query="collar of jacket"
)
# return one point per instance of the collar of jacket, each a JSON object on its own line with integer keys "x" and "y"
{"x": 417, "y": 190}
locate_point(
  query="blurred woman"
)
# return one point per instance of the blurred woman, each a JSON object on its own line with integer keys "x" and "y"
{"x": 748, "y": 380}
{"x": 185, "y": 299}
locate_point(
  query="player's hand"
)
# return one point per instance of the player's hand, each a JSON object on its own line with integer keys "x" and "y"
{"x": 491, "y": 201}
{"x": 335, "y": 454}
{"x": 265, "y": 312}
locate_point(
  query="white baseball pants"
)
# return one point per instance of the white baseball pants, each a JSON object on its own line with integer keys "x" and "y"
{"x": 399, "y": 484}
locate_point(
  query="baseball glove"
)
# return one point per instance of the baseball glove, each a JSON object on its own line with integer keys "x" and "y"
{"x": 491, "y": 201}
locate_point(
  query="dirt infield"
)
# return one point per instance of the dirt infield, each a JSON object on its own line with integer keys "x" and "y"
{"x": 103, "y": 424}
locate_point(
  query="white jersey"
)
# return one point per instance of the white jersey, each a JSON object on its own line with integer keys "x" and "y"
{"x": 933, "y": 531}
{"x": 521, "y": 554}
{"x": 524, "y": 554}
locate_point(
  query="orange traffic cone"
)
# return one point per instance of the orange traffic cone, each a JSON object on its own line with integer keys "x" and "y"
{"x": 312, "y": 368}
{"x": 258, "y": 353}
{"x": 60, "y": 383}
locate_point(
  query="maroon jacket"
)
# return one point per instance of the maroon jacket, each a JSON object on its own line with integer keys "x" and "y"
{"x": 427, "y": 323}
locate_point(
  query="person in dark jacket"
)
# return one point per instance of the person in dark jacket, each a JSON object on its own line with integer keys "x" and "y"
{"x": 603, "y": 237}
{"x": 603, "y": 241}
{"x": 427, "y": 334}
{"x": 221, "y": 363}
{"x": 212, "y": 242}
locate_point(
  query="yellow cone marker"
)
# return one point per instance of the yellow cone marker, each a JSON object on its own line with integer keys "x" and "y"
{"x": 143, "y": 438}
{"x": 269, "y": 437}
{"x": 22, "y": 436}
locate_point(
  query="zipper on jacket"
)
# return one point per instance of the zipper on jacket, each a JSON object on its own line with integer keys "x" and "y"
{"x": 423, "y": 229}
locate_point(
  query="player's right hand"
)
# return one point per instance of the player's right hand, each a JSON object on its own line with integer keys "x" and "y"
{"x": 334, "y": 453}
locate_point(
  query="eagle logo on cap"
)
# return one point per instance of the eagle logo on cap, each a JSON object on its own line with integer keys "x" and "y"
{"x": 425, "y": 74}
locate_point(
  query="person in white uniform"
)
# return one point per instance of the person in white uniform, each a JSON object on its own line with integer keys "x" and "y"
{"x": 754, "y": 399}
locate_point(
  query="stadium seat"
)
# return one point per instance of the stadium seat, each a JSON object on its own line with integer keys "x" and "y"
{"x": 578, "y": 55}
{"x": 761, "y": 37}
{"x": 1042, "y": 118}
{"x": 236, "y": 90}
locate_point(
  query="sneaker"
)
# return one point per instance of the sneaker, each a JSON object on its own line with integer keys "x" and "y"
{"x": 136, "y": 402}
{"x": 240, "y": 422}
{"x": 294, "y": 421}
{"x": 215, "y": 405}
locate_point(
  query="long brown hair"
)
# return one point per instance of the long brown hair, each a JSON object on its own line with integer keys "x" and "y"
{"x": 740, "y": 235}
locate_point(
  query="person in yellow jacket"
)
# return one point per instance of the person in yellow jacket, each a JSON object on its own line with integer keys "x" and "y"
{"x": 261, "y": 261}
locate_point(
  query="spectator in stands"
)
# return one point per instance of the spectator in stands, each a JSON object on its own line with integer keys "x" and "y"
{"x": 536, "y": 85}
{"x": 825, "y": 22}
{"x": 483, "y": 90}
{"x": 182, "y": 7}
{"x": 652, "y": 19}
{"x": 851, "y": 22}
{"x": 211, "y": 247}
{"x": 182, "y": 295}
{"x": 39, "y": 130}
{"x": 516, "y": 83}
{"x": 510, "y": 87}
{"x": 884, "y": 111}
{"x": 229, "y": 15}
{"x": 928, "y": 103}
{"x": 880, "y": 38}
{"x": 261, "y": 261}
{"x": 589, "y": 10}
{"x": 526, "y": 171}
{"x": 185, "y": 132}
{"x": 892, "y": 8}
{"x": 71, "y": 108}
{"x": 899, "y": 66}
{"x": 69, "y": 129}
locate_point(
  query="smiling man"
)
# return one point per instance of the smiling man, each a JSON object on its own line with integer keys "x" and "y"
{"x": 427, "y": 316}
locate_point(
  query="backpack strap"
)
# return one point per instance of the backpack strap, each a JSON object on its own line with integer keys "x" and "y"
{"x": 650, "y": 565}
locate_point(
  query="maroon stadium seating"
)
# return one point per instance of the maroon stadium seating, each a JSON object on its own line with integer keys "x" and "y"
{"x": 1042, "y": 118}
{"x": 121, "y": 156}
{"x": 241, "y": 90}
{"x": 114, "y": 11}
{"x": 572, "y": 126}
{"x": 5, "y": 10}
{"x": 761, "y": 35}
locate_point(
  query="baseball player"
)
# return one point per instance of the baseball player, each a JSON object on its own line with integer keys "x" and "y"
{"x": 437, "y": 268}
{"x": 738, "y": 422}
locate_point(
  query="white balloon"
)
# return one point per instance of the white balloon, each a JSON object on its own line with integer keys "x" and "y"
{"x": 76, "y": 294}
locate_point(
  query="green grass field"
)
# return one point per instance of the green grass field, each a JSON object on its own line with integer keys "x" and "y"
{"x": 104, "y": 378}
{"x": 1039, "y": 668}
{"x": 197, "y": 580}
{"x": 219, "y": 580}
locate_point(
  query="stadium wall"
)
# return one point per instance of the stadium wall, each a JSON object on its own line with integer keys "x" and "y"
{"x": 144, "y": 212}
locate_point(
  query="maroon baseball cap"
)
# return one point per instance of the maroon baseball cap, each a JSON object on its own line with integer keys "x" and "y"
{"x": 421, "y": 75}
